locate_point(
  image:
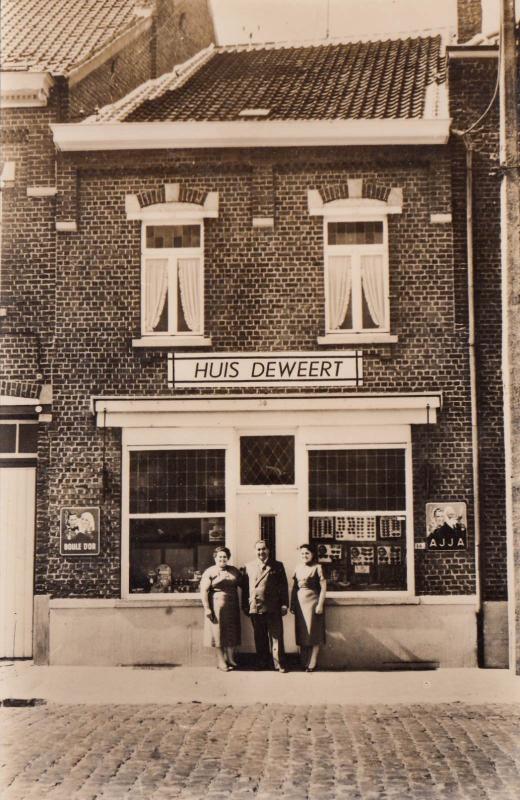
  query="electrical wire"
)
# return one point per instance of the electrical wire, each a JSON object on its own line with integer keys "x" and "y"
{"x": 489, "y": 106}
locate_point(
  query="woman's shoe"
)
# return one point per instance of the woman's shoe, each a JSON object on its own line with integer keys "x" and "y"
{"x": 224, "y": 668}
{"x": 311, "y": 669}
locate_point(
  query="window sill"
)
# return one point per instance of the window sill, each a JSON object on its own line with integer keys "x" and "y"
{"x": 358, "y": 338}
{"x": 172, "y": 341}
{"x": 192, "y": 600}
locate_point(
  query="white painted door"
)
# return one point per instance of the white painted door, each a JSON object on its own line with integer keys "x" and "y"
{"x": 17, "y": 510}
{"x": 280, "y": 507}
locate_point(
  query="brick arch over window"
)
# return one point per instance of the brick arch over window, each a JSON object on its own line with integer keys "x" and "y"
{"x": 172, "y": 199}
{"x": 172, "y": 192}
{"x": 355, "y": 188}
{"x": 352, "y": 193}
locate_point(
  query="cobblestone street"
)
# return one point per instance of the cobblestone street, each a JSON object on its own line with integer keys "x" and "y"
{"x": 196, "y": 750}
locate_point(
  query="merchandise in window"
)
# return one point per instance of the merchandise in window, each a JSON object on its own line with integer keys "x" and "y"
{"x": 356, "y": 276}
{"x": 357, "y": 517}
{"x": 173, "y": 279}
{"x": 177, "y": 517}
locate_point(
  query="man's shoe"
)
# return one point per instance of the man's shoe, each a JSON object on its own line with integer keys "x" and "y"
{"x": 280, "y": 669}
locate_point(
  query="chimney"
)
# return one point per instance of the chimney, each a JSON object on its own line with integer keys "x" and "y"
{"x": 469, "y": 19}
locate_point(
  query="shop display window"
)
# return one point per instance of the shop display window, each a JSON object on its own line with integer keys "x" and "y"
{"x": 177, "y": 517}
{"x": 357, "y": 517}
{"x": 170, "y": 554}
{"x": 177, "y": 481}
{"x": 266, "y": 460}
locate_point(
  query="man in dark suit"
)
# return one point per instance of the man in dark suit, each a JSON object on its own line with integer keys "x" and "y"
{"x": 265, "y": 598}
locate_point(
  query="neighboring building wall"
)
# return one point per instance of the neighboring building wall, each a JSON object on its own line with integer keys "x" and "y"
{"x": 179, "y": 30}
{"x": 117, "y": 76}
{"x": 264, "y": 291}
{"x": 28, "y": 259}
{"x": 28, "y": 254}
{"x": 469, "y": 19}
{"x": 472, "y": 83}
{"x": 183, "y": 27}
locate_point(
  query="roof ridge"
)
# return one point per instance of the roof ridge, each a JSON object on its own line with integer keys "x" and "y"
{"x": 69, "y": 33}
{"x": 421, "y": 33}
{"x": 153, "y": 87}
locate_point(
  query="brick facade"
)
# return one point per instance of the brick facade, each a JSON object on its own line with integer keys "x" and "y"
{"x": 472, "y": 83}
{"x": 264, "y": 291}
{"x": 73, "y": 298}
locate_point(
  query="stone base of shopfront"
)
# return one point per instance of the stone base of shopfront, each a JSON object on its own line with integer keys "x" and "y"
{"x": 496, "y": 634}
{"x": 360, "y": 635}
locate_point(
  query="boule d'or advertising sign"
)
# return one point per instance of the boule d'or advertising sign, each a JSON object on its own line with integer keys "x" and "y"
{"x": 194, "y": 370}
{"x": 79, "y": 531}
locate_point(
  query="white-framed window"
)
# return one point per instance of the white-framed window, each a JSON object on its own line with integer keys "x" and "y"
{"x": 356, "y": 275}
{"x": 172, "y": 278}
{"x": 359, "y": 508}
{"x": 18, "y": 439}
{"x": 176, "y": 516}
{"x": 172, "y": 267}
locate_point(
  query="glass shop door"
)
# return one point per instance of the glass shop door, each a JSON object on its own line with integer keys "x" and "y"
{"x": 270, "y": 516}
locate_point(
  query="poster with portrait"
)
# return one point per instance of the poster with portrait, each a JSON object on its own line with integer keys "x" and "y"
{"x": 79, "y": 531}
{"x": 446, "y": 526}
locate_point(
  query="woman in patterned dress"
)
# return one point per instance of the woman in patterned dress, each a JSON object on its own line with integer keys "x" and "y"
{"x": 219, "y": 592}
{"x": 308, "y": 606}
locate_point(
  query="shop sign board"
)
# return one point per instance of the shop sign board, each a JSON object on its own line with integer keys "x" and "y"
{"x": 194, "y": 370}
{"x": 447, "y": 526}
{"x": 79, "y": 531}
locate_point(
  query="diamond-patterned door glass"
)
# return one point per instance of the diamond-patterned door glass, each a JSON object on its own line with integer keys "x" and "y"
{"x": 266, "y": 460}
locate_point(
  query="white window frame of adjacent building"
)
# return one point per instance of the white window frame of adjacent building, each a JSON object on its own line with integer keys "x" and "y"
{"x": 173, "y": 213}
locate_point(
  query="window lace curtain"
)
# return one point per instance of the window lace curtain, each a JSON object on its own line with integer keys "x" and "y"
{"x": 372, "y": 279}
{"x": 189, "y": 281}
{"x": 340, "y": 285}
{"x": 156, "y": 289}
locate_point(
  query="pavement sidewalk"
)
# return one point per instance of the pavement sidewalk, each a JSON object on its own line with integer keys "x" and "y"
{"x": 170, "y": 685}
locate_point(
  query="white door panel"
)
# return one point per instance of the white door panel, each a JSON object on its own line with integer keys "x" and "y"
{"x": 17, "y": 510}
{"x": 251, "y": 506}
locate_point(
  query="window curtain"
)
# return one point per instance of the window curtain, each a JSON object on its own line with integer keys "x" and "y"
{"x": 189, "y": 281}
{"x": 340, "y": 285}
{"x": 372, "y": 279}
{"x": 156, "y": 289}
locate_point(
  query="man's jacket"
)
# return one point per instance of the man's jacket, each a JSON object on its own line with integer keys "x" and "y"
{"x": 265, "y": 587}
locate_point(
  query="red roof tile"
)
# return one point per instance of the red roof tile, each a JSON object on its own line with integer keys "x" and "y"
{"x": 56, "y": 35}
{"x": 391, "y": 79}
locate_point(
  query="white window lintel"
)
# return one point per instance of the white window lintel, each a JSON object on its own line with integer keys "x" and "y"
{"x": 354, "y": 206}
{"x": 171, "y": 210}
{"x": 172, "y": 340}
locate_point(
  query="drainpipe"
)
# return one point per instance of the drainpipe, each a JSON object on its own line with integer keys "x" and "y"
{"x": 510, "y": 224}
{"x": 473, "y": 394}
